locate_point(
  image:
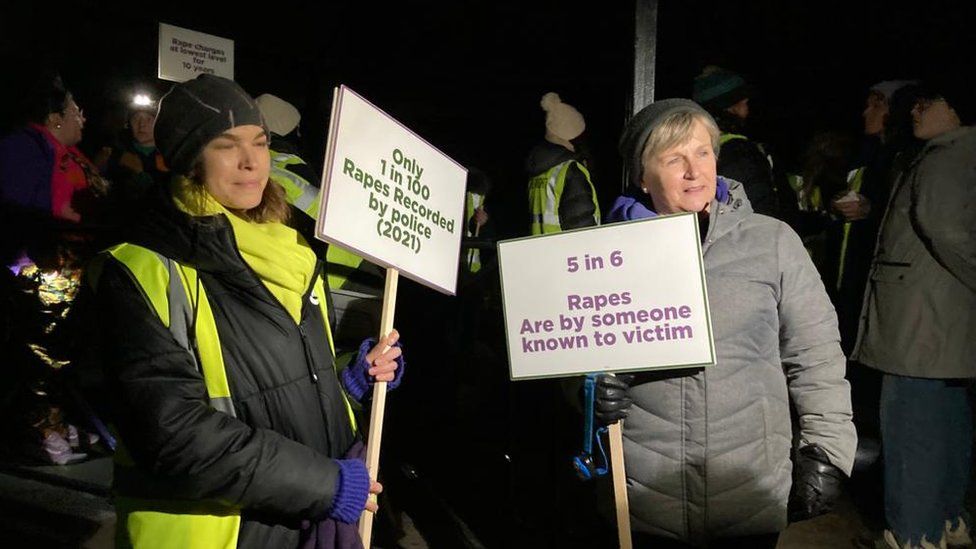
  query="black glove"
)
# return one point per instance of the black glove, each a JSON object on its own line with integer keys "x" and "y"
{"x": 816, "y": 484}
{"x": 611, "y": 402}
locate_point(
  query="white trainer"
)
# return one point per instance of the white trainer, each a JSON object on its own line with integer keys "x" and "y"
{"x": 959, "y": 536}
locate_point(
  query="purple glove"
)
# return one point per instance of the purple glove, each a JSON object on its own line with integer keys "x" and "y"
{"x": 352, "y": 491}
{"x": 356, "y": 379}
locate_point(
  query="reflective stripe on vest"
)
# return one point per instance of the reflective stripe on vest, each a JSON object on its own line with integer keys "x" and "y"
{"x": 854, "y": 179}
{"x": 545, "y": 192}
{"x": 166, "y": 287}
{"x": 472, "y": 201}
{"x": 299, "y": 192}
{"x": 170, "y": 287}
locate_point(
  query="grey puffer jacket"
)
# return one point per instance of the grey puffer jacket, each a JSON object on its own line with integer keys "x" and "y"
{"x": 919, "y": 313}
{"x": 708, "y": 453}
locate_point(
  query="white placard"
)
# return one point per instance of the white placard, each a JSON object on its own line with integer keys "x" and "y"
{"x": 623, "y": 297}
{"x": 185, "y": 54}
{"x": 391, "y": 196}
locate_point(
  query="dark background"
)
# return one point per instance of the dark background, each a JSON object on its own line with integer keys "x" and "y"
{"x": 468, "y": 75}
{"x": 461, "y": 440}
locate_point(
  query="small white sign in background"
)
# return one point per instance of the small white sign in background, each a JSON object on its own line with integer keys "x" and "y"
{"x": 390, "y": 196}
{"x": 185, "y": 54}
{"x": 622, "y": 297}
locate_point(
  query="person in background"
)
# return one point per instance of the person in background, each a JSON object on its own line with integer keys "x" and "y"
{"x": 725, "y": 95}
{"x": 475, "y": 215}
{"x": 288, "y": 168}
{"x": 855, "y": 212}
{"x": 859, "y": 206}
{"x": 134, "y": 163}
{"x": 918, "y": 326}
{"x": 41, "y": 167}
{"x": 825, "y": 173}
{"x": 561, "y": 193}
{"x": 708, "y": 450}
{"x": 236, "y": 428}
{"x": 345, "y": 270}
{"x": 49, "y": 193}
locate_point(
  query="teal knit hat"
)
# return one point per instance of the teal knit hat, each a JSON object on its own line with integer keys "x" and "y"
{"x": 718, "y": 88}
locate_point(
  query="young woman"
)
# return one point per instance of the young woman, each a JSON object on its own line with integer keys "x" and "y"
{"x": 236, "y": 429}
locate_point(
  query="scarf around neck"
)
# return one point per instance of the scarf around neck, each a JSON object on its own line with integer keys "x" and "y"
{"x": 277, "y": 254}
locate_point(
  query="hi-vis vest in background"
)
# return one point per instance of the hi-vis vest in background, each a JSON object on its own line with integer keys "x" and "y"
{"x": 472, "y": 201}
{"x": 299, "y": 193}
{"x": 305, "y": 196}
{"x": 177, "y": 297}
{"x": 545, "y": 192}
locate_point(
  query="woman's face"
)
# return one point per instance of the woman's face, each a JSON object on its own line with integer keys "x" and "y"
{"x": 875, "y": 113}
{"x": 236, "y": 167}
{"x": 141, "y": 124}
{"x": 682, "y": 178}
{"x": 933, "y": 117}
{"x": 67, "y": 124}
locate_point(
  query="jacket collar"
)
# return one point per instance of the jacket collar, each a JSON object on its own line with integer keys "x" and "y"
{"x": 205, "y": 243}
{"x": 727, "y": 211}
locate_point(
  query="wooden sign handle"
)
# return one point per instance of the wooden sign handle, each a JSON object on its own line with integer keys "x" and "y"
{"x": 379, "y": 403}
{"x": 622, "y": 505}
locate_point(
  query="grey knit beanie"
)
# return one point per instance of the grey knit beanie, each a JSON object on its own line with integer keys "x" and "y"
{"x": 639, "y": 129}
{"x": 195, "y": 112}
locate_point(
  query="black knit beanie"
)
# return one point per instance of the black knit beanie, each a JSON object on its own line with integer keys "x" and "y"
{"x": 194, "y": 112}
{"x": 639, "y": 129}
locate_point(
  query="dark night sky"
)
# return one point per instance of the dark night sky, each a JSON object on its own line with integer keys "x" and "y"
{"x": 468, "y": 75}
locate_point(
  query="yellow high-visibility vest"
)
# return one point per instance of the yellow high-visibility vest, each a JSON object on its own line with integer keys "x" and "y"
{"x": 171, "y": 291}
{"x": 545, "y": 192}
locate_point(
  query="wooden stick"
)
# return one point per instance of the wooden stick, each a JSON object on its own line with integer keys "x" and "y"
{"x": 620, "y": 484}
{"x": 379, "y": 403}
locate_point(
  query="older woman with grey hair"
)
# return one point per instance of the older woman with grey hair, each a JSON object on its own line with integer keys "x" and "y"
{"x": 708, "y": 449}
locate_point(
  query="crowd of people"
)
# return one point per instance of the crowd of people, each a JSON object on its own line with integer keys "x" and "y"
{"x": 180, "y": 265}
{"x": 868, "y": 256}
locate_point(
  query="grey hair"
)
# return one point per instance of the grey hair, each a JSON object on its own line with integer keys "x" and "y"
{"x": 676, "y": 129}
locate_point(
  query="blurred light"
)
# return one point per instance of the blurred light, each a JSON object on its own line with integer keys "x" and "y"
{"x": 141, "y": 100}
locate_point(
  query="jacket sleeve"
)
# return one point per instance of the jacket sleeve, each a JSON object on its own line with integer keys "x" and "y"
{"x": 944, "y": 211}
{"x": 811, "y": 355}
{"x": 576, "y": 208}
{"x": 25, "y": 174}
{"x": 182, "y": 447}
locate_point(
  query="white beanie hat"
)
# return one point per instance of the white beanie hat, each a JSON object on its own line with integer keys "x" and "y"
{"x": 889, "y": 87}
{"x": 563, "y": 122}
{"x": 281, "y": 116}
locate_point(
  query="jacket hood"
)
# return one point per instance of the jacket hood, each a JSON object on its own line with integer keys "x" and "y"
{"x": 633, "y": 205}
{"x": 544, "y": 156}
{"x": 205, "y": 243}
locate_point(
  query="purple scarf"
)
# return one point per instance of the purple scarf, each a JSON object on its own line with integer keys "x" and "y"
{"x": 329, "y": 533}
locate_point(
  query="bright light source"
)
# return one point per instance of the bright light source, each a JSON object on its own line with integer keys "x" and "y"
{"x": 141, "y": 100}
